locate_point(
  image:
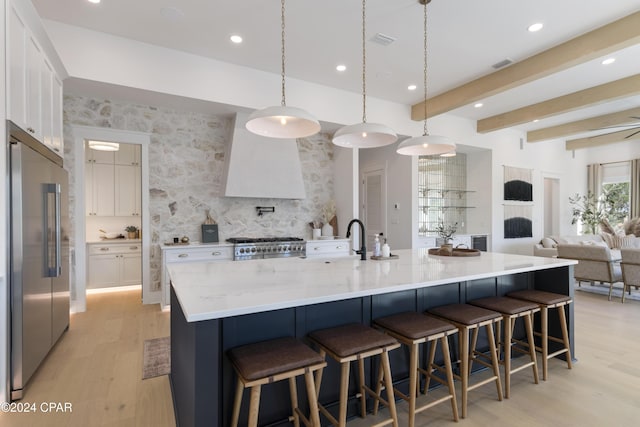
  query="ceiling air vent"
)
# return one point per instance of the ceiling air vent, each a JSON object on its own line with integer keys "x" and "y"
{"x": 502, "y": 63}
{"x": 383, "y": 39}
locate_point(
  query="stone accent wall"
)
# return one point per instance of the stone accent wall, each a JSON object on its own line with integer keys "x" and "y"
{"x": 186, "y": 162}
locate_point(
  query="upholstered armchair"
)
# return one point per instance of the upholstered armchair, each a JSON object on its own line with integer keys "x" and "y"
{"x": 630, "y": 269}
{"x": 595, "y": 264}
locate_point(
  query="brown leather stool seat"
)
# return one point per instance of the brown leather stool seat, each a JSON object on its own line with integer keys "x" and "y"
{"x": 511, "y": 310}
{"x": 413, "y": 329}
{"x": 468, "y": 317}
{"x": 546, "y": 301}
{"x": 356, "y": 342}
{"x": 271, "y": 361}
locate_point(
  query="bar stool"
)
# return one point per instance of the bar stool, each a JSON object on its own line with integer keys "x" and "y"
{"x": 511, "y": 310}
{"x": 546, "y": 301}
{"x": 467, "y": 317}
{"x": 271, "y": 361}
{"x": 413, "y": 329}
{"x": 356, "y": 342}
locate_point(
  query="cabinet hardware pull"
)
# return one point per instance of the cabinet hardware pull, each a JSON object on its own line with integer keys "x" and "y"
{"x": 216, "y": 253}
{"x": 133, "y": 248}
{"x": 338, "y": 247}
{"x": 183, "y": 255}
{"x": 316, "y": 248}
{"x": 104, "y": 249}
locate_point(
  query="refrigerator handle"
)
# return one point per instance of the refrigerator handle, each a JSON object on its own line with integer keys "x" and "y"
{"x": 52, "y": 270}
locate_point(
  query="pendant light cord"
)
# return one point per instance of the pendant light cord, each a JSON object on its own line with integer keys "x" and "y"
{"x": 426, "y": 132}
{"x": 364, "y": 66}
{"x": 283, "y": 102}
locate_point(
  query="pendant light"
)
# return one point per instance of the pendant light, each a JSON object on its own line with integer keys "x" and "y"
{"x": 282, "y": 121}
{"x": 426, "y": 145}
{"x": 364, "y": 135}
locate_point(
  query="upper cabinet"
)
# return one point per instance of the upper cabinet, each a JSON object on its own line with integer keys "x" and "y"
{"x": 34, "y": 88}
{"x": 128, "y": 155}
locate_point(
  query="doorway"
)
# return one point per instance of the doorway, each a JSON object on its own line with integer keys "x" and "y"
{"x": 551, "y": 206}
{"x": 82, "y": 134}
{"x": 374, "y": 197}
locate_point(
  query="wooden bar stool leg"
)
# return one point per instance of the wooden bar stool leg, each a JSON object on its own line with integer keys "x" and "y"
{"x": 363, "y": 393}
{"x": 449, "y": 371}
{"x": 236, "y": 404}
{"x": 544, "y": 326}
{"x": 293, "y": 394}
{"x": 379, "y": 383}
{"x": 254, "y": 406}
{"x": 312, "y": 396}
{"x": 474, "y": 342}
{"x": 464, "y": 367}
{"x": 344, "y": 392}
{"x": 494, "y": 359}
{"x": 431, "y": 360}
{"x": 528, "y": 324}
{"x": 508, "y": 331}
{"x": 388, "y": 382}
{"x": 319, "y": 372}
{"x": 565, "y": 334}
{"x": 413, "y": 382}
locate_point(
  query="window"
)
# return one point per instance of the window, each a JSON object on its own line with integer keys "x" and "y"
{"x": 616, "y": 179}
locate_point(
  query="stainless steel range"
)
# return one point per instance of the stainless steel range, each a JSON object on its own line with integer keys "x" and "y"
{"x": 267, "y": 247}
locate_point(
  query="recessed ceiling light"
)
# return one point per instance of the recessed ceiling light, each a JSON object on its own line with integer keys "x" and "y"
{"x": 94, "y": 1}
{"x": 236, "y": 38}
{"x": 341, "y": 67}
{"x": 608, "y": 61}
{"x": 478, "y": 104}
{"x": 412, "y": 87}
{"x": 535, "y": 27}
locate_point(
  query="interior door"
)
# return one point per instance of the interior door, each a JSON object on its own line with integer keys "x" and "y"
{"x": 373, "y": 205}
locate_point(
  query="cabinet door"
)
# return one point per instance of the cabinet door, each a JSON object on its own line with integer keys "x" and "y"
{"x": 34, "y": 91}
{"x": 128, "y": 154}
{"x": 104, "y": 271}
{"x": 131, "y": 269}
{"x": 103, "y": 189}
{"x": 16, "y": 67}
{"x": 57, "y": 138}
{"x": 46, "y": 76}
{"x": 127, "y": 192}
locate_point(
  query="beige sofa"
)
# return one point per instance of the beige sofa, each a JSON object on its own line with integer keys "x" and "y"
{"x": 596, "y": 263}
{"x": 547, "y": 247}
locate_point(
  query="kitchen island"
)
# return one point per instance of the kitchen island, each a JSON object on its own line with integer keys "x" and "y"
{"x": 218, "y": 306}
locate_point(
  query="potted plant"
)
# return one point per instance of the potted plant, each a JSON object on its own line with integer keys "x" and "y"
{"x": 589, "y": 210}
{"x": 132, "y": 231}
{"x": 446, "y": 232}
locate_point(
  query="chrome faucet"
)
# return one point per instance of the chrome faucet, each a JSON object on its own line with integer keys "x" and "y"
{"x": 363, "y": 247}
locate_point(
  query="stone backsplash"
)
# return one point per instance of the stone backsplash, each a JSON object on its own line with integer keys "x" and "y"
{"x": 186, "y": 163}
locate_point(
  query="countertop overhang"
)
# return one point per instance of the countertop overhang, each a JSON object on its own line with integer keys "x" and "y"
{"x": 214, "y": 290}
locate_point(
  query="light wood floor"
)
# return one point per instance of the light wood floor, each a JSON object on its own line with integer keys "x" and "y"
{"x": 98, "y": 368}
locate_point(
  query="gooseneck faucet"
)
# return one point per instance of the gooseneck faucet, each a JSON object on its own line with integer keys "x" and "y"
{"x": 363, "y": 247}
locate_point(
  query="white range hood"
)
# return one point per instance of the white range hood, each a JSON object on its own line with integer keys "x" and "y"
{"x": 256, "y": 166}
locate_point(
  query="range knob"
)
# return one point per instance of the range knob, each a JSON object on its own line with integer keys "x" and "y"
{"x": 241, "y": 250}
{"x": 253, "y": 250}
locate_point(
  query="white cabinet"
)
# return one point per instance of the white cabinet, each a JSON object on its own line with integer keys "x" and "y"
{"x": 127, "y": 190}
{"x": 128, "y": 155}
{"x": 328, "y": 248}
{"x": 191, "y": 253}
{"x": 114, "y": 264}
{"x": 34, "y": 88}
{"x": 100, "y": 189}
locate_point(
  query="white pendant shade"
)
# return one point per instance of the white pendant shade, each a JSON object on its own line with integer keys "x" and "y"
{"x": 364, "y": 135}
{"x": 426, "y": 145}
{"x": 282, "y": 122}
{"x": 104, "y": 146}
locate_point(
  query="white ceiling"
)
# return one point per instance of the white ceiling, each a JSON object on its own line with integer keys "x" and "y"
{"x": 465, "y": 38}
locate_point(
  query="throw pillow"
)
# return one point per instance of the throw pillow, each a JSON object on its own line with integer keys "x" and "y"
{"x": 629, "y": 241}
{"x": 606, "y": 227}
{"x": 548, "y": 242}
{"x": 607, "y": 238}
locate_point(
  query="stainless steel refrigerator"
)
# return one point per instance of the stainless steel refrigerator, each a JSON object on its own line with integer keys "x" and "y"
{"x": 38, "y": 253}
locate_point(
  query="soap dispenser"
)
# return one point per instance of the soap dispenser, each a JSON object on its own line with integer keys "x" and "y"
{"x": 376, "y": 247}
{"x": 386, "y": 250}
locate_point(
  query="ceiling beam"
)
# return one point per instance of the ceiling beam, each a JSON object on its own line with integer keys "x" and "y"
{"x": 586, "y": 125}
{"x": 609, "y": 38}
{"x": 607, "y": 138}
{"x": 618, "y": 89}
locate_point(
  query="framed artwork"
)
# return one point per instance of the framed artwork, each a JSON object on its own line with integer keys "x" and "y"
{"x": 518, "y": 221}
{"x": 518, "y": 184}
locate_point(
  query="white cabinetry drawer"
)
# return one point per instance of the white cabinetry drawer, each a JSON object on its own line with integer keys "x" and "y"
{"x": 115, "y": 249}
{"x": 201, "y": 254}
{"x": 328, "y": 247}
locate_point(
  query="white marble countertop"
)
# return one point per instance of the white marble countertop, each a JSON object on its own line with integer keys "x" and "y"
{"x": 212, "y": 290}
{"x": 170, "y": 246}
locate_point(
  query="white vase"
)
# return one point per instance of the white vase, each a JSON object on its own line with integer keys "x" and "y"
{"x": 327, "y": 230}
{"x": 316, "y": 233}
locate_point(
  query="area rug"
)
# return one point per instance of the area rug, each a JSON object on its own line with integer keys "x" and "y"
{"x": 156, "y": 357}
{"x": 603, "y": 289}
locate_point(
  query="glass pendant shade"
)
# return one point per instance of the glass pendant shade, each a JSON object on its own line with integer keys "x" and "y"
{"x": 282, "y": 122}
{"x": 104, "y": 146}
{"x": 364, "y": 135}
{"x": 426, "y": 145}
